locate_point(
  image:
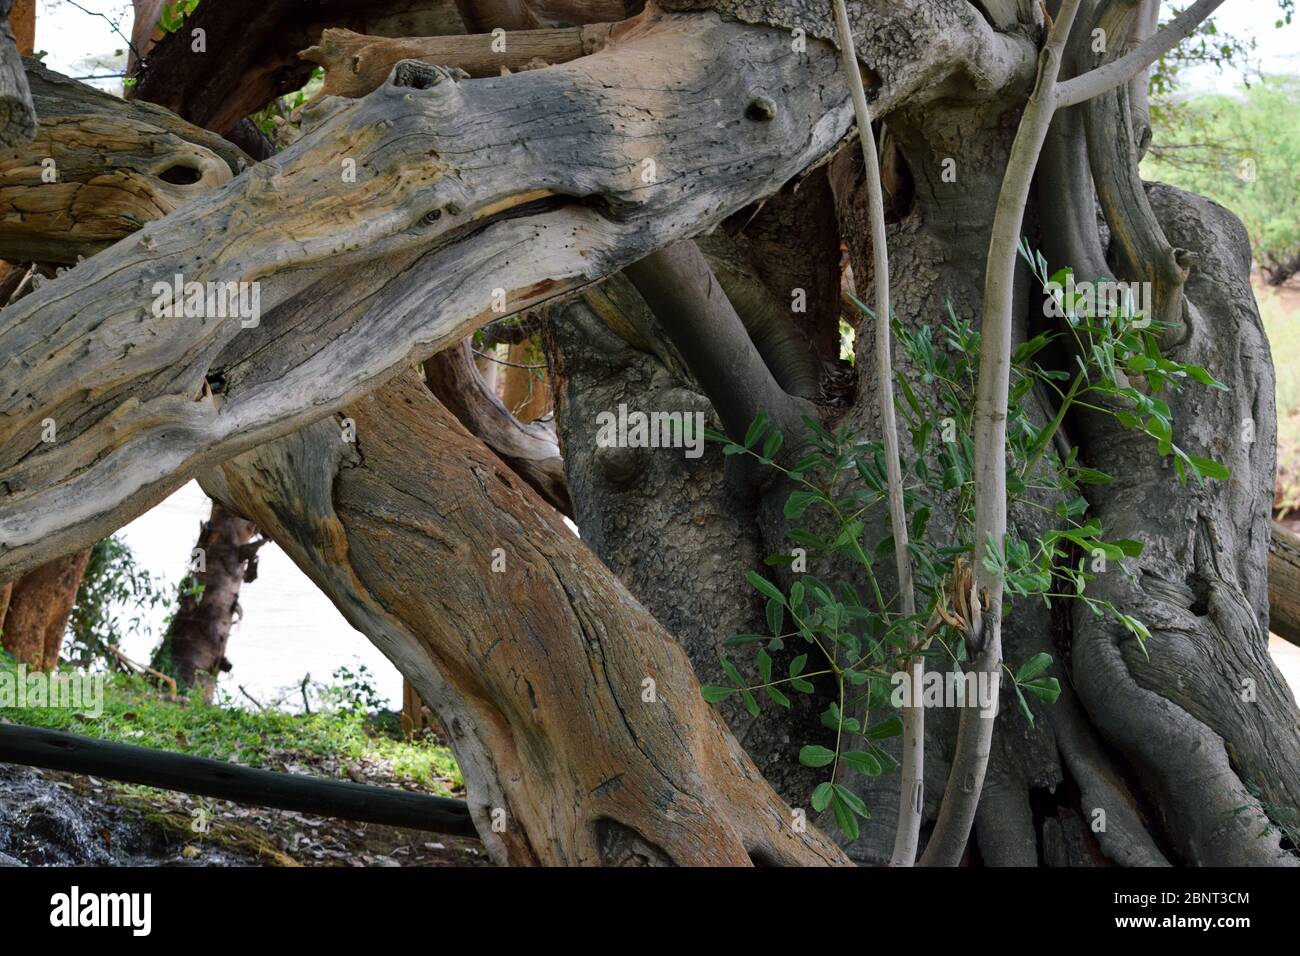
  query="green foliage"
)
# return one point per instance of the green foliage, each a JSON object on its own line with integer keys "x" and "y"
{"x": 858, "y": 645}
{"x": 353, "y": 692}
{"x": 1242, "y": 152}
{"x": 1208, "y": 45}
{"x": 113, "y": 581}
{"x": 278, "y": 120}
{"x": 173, "y": 14}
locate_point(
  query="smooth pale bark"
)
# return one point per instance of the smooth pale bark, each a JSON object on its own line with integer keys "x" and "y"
{"x": 575, "y": 718}
{"x": 526, "y": 212}
{"x": 984, "y": 637}
{"x": 912, "y": 778}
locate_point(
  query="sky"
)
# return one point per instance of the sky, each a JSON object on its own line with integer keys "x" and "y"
{"x": 70, "y": 36}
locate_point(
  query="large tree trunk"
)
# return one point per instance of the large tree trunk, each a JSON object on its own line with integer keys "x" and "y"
{"x": 194, "y": 648}
{"x": 40, "y": 603}
{"x": 575, "y": 718}
{"x": 529, "y": 187}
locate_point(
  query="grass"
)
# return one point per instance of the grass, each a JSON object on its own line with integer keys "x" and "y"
{"x": 136, "y": 713}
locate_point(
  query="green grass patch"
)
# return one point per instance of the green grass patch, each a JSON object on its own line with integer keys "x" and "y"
{"x": 135, "y": 712}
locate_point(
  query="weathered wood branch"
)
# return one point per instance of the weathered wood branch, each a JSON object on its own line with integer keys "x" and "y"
{"x": 1284, "y": 584}
{"x": 99, "y": 169}
{"x": 576, "y": 719}
{"x": 248, "y": 53}
{"x": 449, "y": 214}
{"x": 54, "y": 750}
{"x": 17, "y": 116}
{"x": 356, "y": 64}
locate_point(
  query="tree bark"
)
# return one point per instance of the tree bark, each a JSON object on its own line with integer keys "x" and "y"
{"x": 194, "y": 648}
{"x": 39, "y": 606}
{"x": 99, "y": 169}
{"x": 530, "y": 449}
{"x": 356, "y": 64}
{"x": 1284, "y": 584}
{"x": 17, "y": 116}
{"x": 152, "y": 414}
{"x": 575, "y": 718}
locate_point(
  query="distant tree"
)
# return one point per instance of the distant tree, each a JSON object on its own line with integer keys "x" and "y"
{"x": 1242, "y": 151}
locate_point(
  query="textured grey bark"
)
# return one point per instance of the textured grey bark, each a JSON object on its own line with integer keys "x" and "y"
{"x": 98, "y": 169}
{"x": 674, "y": 530}
{"x": 17, "y": 117}
{"x": 441, "y": 237}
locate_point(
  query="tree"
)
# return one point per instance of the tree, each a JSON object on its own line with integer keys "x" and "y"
{"x": 694, "y": 145}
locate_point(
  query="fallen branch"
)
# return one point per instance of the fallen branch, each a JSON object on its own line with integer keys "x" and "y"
{"x": 54, "y": 750}
{"x": 356, "y": 64}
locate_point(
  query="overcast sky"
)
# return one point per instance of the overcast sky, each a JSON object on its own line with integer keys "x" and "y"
{"x": 71, "y": 36}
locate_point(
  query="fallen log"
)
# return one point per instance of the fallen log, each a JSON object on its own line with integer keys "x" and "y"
{"x": 356, "y": 64}
{"x": 1284, "y": 584}
{"x": 54, "y": 750}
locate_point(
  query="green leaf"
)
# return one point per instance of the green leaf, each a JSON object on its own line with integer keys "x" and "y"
{"x": 1208, "y": 468}
{"x": 797, "y": 665}
{"x": 801, "y": 685}
{"x": 775, "y": 616}
{"x": 764, "y": 586}
{"x": 772, "y": 445}
{"x": 889, "y": 727}
{"x": 852, "y": 800}
{"x": 756, "y": 429}
{"x": 716, "y": 695}
{"x": 778, "y": 697}
{"x": 798, "y": 503}
{"x": 861, "y": 761}
{"x": 821, "y": 796}
{"x": 1044, "y": 688}
{"x": 815, "y": 755}
{"x": 732, "y": 674}
{"x": 844, "y": 817}
{"x": 764, "y": 663}
{"x": 1033, "y": 667}
{"x": 736, "y": 640}
{"x": 751, "y": 704}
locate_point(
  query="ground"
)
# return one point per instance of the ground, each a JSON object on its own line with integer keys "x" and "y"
{"x": 55, "y": 818}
